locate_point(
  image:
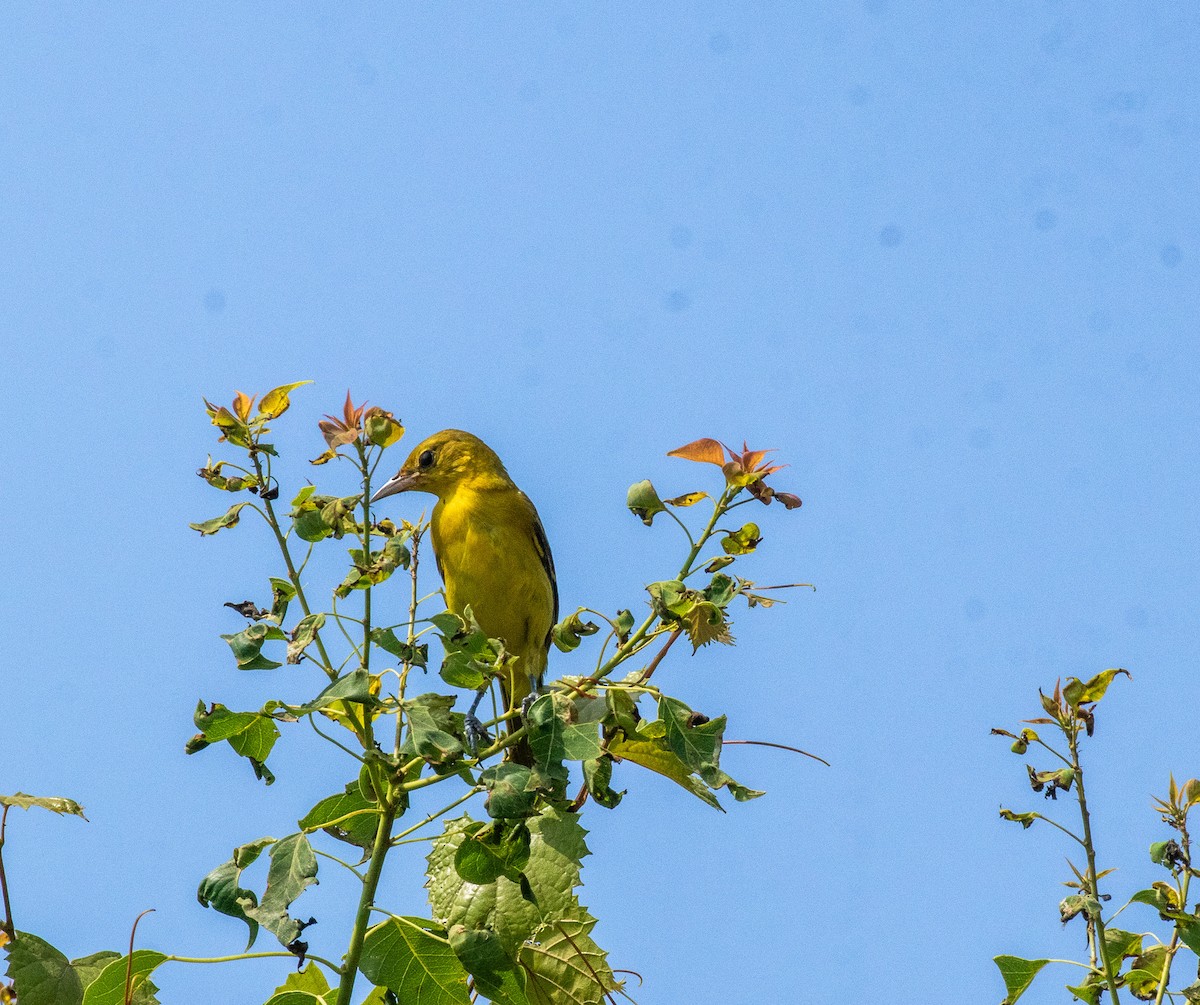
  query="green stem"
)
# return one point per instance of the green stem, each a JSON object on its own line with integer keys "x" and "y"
{"x": 329, "y": 739}
{"x": 340, "y": 861}
{"x": 7, "y": 927}
{"x": 1072, "y": 730}
{"x": 720, "y": 508}
{"x": 363, "y": 732}
{"x": 413, "y": 603}
{"x": 1174, "y": 944}
{"x": 366, "y": 543}
{"x": 1054, "y": 823}
{"x": 383, "y": 839}
{"x": 250, "y": 956}
{"x": 434, "y": 816}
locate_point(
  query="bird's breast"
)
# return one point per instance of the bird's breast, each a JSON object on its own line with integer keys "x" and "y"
{"x": 487, "y": 553}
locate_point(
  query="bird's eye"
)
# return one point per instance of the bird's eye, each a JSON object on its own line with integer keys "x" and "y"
{"x": 426, "y": 459}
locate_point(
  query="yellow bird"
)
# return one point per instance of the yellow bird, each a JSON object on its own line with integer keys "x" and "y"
{"x": 490, "y": 549}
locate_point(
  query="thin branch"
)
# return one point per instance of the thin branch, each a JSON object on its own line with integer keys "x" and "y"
{"x": 778, "y": 746}
{"x": 649, "y": 671}
{"x": 435, "y": 815}
{"x": 330, "y": 739}
{"x": 7, "y": 927}
{"x": 129, "y": 965}
{"x": 342, "y": 862}
{"x": 333, "y": 967}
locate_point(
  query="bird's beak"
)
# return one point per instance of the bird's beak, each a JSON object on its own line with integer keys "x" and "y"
{"x": 403, "y": 481}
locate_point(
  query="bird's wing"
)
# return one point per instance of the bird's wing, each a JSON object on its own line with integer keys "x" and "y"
{"x": 542, "y": 546}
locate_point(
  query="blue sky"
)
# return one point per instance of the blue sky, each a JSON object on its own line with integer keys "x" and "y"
{"x": 945, "y": 260}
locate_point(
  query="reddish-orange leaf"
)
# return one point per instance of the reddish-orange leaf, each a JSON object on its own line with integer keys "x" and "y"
{"x": 704, "y": 450}
{"x": 241, "y": 405}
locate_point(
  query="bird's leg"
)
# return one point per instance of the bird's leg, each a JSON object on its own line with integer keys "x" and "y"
{"x": 476, "y": 734}
{"x": 535, "y": 692}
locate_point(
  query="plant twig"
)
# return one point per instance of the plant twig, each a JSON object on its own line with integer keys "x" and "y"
{"x": 129, "y": 964}
{"x": 1071, "y": 728}
{"x": 7, "y": 927}
{"x": 653, "y": 665}
{"x": 778, "y": 746}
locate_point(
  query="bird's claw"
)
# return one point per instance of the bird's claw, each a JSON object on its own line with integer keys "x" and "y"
{"x": 476, "y": 733}
{"x": 535, "y": 692}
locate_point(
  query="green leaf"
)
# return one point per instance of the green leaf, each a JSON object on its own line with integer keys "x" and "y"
{"x": 297, "y": 998}
{"x": 55, "y": 804}
{"x": 418, "y": 966}
{"x": 568, "y": 633}
{"x": 624, "y": 624}
{"x": 220, "y": 890}
{"x": 555, "y": 734}
{"x": 655, "y": 755}
{"x": 1090, "y": 991}
{"x": 670, "y": 599}
{"x": 1077, "y": 692}
{"x": 433, "y": 730}
{"x": 597, "y": 775}
{"x": 722, "y": 589}
{"x": 471, "y": 657}
{"x": 332, "y": 815}
{"x": 743, "y": 541}
{"x": 109, "y": 987}
{"x": 282, "y": 593}
{"x": 687, "y": 499}
{"x": 497, "y": 976}
{"x": 511, "y": 790}
{"x": 247, "y": 646}
{"x": 1189, "y": 934}
{"x": 564, "y": 964}
{"x": 556, "y": 849}
{"x": 1145, "y": 973}
{"x": 720, "y": 562}
{"x": 381, "y": 427}
{"x": 1024, "y": 819}
{"x": 310, "y": 527}
{"x": 255, "y": 743}
{"x": 293, "y": 869}
{"x": 622, "y": 707}
{"x": 310, "y": 979}
{"x": 491, "y": 851}
{"x": 229, "y": 518}
{"x": 354, "y": 686}
{"x": 373, "y": 569}
{"x": 1150, "y": 897}
{"x": 706, "y": 623}
{"x": 42, "y": 975}
{"x": 275, "y": 402}
{"x": 1071, "y": 906}
{"x": 1018, "y": 974}
{"x": 695, "y": 740}
{"x": 90, "y": 967}
{"x": 251, "y": 734}
{"x": 303, "y": 636}
{"x": 643, "y": 502}
{"x": 416, "y": 655}
{"x": 1118, "y": 944}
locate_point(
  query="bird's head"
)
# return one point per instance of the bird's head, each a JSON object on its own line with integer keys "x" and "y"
{"x": 444, "y": 462}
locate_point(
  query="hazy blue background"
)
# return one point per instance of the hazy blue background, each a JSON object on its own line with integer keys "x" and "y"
{"x": 945, "y": 261}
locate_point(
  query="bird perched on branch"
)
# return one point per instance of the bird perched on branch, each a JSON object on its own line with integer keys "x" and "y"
{"x": 491, "y": 551}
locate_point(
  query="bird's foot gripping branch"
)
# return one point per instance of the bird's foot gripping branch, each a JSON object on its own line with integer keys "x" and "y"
{"x": 505, "y": 923}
